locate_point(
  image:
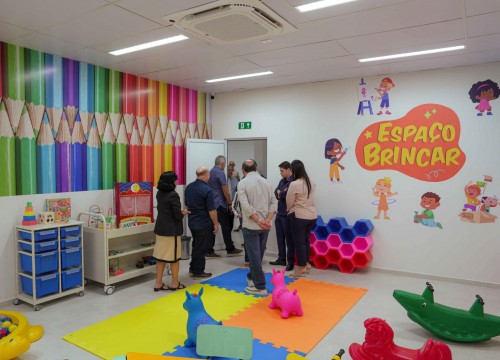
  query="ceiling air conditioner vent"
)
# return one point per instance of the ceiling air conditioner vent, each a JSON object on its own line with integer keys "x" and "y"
{"x": 228, "y": 22}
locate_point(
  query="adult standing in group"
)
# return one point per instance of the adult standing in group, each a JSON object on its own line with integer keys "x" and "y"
{"x": 258, "y": 206}
{"x": 168, "y": 230}
{"x": 223, "y": 205}
{"x": 302, "y": 214}
{"x": 202, "y": 221}
{"x": 233, "y": 184}
{"x": 286, "y": 248}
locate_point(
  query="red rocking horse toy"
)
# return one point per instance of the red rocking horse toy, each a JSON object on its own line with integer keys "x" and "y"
{"x": 379, "y": 345}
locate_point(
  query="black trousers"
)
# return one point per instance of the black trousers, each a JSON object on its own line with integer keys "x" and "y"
{"x": 301, "y": 230}
{"x": 202, "y": 238}
{"x": 286, "y": 247}
{"x": 223, "y": 216}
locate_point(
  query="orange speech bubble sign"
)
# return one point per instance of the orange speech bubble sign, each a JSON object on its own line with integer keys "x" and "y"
{"x": 423, "y": 144}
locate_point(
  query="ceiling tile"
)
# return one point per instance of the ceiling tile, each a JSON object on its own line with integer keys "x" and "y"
{"x": 47, "y": 44}
{"x": 485, "y": 57}
{"x": 8, "y": 33}
{"x": 477, "y": 7}
{"x": 399, "y": 16}
{"x": 321, "y": 50}
{"x": 94, "y": 27}
{"x": 418, "y": 37}
{"x": 36, "y": 14}
{"x": 484, "y": 24}
{"x": 483, "y": 43}
{"x": 310, "y": 66}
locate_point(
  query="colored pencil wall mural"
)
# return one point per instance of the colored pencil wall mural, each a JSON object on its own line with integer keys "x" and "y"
{"x": 67, "y": 125}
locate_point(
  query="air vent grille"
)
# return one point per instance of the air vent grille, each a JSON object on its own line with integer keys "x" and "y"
{"x": 226, "y": 22}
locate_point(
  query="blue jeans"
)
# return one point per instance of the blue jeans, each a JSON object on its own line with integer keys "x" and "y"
{"x": 255, "y": 246}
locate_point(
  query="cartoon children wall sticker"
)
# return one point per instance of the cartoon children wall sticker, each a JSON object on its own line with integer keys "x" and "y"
{"x": 382, "y": 190}
{"x": 429, "y": 201}
{"x": 383, "y": 90}
{"x": 483, "y": 92}
{"x": 335, "y": 152}
{"x": 478, "y": 205}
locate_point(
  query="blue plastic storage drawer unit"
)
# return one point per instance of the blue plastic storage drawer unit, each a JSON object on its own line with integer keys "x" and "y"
{"x": 71, "y": 257}
{"x": 40, "y": 247}
{"x": 68, "y": 231}
{"x": 39, "y": 235}
{"x": 71, "y": 242}
{"x": 71, "y": 278}
{"x": 45, "y": 285}
{"x": 44, "y": 262}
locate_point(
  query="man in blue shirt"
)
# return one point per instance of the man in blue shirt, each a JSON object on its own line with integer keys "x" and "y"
{"x": 202, "y": 221}
{"x": 286, "y": 248}
{"x": 223, "y": 205}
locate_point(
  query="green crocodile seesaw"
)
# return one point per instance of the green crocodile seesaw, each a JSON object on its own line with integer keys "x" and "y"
{"x": 446, "y": 322}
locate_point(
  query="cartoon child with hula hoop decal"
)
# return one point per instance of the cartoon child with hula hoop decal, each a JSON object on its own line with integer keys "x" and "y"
{"x": 382, "y": 190}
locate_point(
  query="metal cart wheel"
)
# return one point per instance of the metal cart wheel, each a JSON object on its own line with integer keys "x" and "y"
{"x": 109, "y": 290}
{"x": 81, "y": 293}
{"x": 17, "y": 301}
{"x": 37, "y": 307}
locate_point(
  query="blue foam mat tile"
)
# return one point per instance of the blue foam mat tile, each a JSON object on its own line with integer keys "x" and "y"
{"x": 260, "y": 351}
{"x": 236, "y": 280}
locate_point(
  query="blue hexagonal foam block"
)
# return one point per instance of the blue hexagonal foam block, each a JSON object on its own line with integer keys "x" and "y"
{"x": 348, "y": 234}
{"x": 363, "y": 227}
{"x": 336, "y": 224}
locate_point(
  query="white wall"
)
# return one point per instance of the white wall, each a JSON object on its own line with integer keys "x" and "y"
{"x": 297, "y": 121}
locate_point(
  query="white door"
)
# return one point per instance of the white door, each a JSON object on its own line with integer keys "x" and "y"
{"x": 202, "y": 152}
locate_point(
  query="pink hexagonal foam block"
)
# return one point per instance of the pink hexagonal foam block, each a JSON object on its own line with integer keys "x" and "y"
{"x": 320, "y": 247}
{"x": 333, "y": 241}
{"x": 362, "y": 243}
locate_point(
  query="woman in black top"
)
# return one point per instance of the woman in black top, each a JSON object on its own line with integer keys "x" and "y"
{"x": 168, "y": 230}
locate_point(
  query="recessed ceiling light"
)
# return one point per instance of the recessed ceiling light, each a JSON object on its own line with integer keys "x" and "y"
{"x": 416, "y": 53}
{"x": 149, "y": 45}
{"x": 239, "y": 77}
{"x": 321, "y": 4}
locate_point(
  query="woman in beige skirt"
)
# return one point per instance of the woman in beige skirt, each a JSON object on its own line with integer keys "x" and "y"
{"x": 168, "y": 230}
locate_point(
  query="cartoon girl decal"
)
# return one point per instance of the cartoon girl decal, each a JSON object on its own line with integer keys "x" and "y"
{"x": 483, "y": 92}
{"x": 334, "y": 152}
{"x": 382, "y": 190}
{"x": 385, "y": 86}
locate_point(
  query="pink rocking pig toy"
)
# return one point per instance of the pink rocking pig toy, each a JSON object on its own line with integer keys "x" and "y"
{"x": 288, "y": 301}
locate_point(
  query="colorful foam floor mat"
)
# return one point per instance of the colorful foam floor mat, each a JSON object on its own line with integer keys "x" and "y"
{"x": 162, "y": 329}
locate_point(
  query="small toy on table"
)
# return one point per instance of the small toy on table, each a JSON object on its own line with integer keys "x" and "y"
{"x": 29, "y": 217}
{"x": 46, "y": 217}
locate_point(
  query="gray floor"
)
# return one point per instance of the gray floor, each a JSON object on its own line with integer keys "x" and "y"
{"x": 71, "y": 313}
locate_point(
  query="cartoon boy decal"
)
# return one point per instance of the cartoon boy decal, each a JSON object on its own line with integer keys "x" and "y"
{"x": 472, "y": 192}
{"x": 382, "y": 190}
{"x": 483, "y": 92}
{"x": 487, "y": 202}
{"x": 429, "y": 201}
{"x": 334, "y": 152}
{"x": 385, "y": 86}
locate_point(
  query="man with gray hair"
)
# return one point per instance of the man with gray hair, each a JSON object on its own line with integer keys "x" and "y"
{"x": 223, "y": 205}
{"x": 202, "y": 221}
{"x": 258, "y": 206}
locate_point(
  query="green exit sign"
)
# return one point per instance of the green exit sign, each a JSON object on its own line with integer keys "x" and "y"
{"x": 245, "y": 125}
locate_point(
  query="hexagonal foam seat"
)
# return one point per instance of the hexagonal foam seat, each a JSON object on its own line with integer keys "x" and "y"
{"x": 346, "y": 266}
{"x": 346, "y": 250}
{"x": 333, "y": 256}
{"x": 348, "y": 234}
{"x": 320, "y": 262}
{"x": 320, "y": 221}
{"x": 321, "y": 232}
{"x": 360, "y": 260}
{"x": 333, "y": 241}
{"x": 363, "y": 227}
{"x": 362, "y": 243}
{"x": 312, "y": 239}
{"x": 336, "y": 224}
{"x": 320, "y": 247}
